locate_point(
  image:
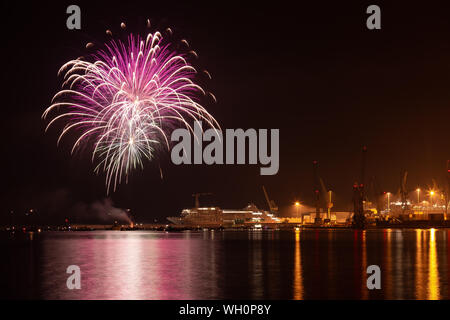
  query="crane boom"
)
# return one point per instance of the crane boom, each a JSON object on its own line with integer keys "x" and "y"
{"x": 359, "y": 195}
{"x": 324, "y": 189}
{"x": 404, "y": 191}
{"x": 316, "y": 183}
{"x": 272, "y": 206}
{"x": 267, "y": 197}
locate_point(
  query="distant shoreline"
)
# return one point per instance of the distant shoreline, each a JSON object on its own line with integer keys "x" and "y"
{"x": 272, "y": 227}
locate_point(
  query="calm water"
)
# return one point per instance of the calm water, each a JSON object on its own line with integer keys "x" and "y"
{"x": 313, "y": 264}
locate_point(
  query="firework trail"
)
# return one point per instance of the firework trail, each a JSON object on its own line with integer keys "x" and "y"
{"x": 126, "y": 101}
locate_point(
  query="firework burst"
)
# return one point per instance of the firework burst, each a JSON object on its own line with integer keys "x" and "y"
{"x": 126, "y": 98}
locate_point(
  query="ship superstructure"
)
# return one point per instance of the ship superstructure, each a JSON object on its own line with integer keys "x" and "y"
{"x": 217, "y": 217}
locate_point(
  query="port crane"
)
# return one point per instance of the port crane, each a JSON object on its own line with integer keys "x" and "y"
{"x": 328, "y": 199}
{"x": 197, "y": 195}
{"x": 317, "y": 219}
{"x": 273, "y": 208}
{"x": 359, "y": 195}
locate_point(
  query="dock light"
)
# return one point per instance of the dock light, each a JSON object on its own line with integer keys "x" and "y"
{"x": 389, "y": 201}
{"x": 297, "y": 205}
{"x": 431, "y": 197}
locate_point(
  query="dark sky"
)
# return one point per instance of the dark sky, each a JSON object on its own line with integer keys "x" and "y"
{"x": 312, "y": 70}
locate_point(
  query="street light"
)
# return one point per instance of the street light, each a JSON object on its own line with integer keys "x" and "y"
{"x": 389, "y": 201}
{"x": 297, "y": 205}
{"x": 431, "y": 197}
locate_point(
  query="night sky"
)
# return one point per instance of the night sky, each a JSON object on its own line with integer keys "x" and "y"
{"x": 314, "y": 71}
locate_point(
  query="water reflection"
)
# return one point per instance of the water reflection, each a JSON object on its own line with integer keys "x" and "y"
{"x": 306, "y": 264}
{"x": 447, "y": 254}
{"x": 388, "y": 270}
{"x": 364, "y": 291}
{"x": 433, "y": 273}
{"x": 427, "y": 280}
{"x": 256, "y": 271}
{"x": 131, "y": 265}
{"x": 419, "y": 267}
{"x": 298, "y": 276}
{"x": 358, "y": 272}
{"x": 398, "y": 270}
{"x": 331, "y": 265}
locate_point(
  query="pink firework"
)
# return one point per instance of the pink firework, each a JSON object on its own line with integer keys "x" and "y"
{"x": 126, "y": 100}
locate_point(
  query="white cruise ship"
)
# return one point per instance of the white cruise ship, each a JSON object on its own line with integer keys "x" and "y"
{"x": 217, "y": 217}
